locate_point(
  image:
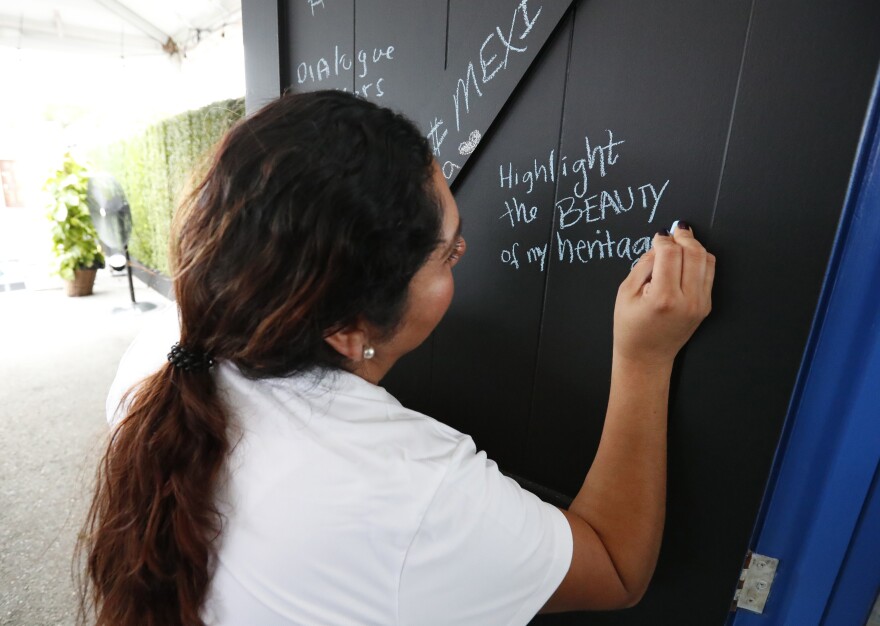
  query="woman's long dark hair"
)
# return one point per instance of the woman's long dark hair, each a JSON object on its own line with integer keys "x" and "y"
{"x": 315, "y": 213}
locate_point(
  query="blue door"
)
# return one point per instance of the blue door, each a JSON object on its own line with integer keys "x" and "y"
{"x": 821, "y": 511}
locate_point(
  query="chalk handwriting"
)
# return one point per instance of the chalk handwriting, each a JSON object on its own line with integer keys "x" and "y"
{"x": 313, "y": 4}
{"x": 538, "y": 173}
{"x": 516, "y": 212}
{"x": 509, "y": 256}
{"x": 470, "y": 144}
{"x": 495, "y": 59}
{"x": 598, "y": 207}
{"x": 492, "y": 57}
{"x": 595, "y": 208}
{"x": 435, "y": 137}
{"x": 462, "y": 87}
{"x": 364, "y": 89}
{"x": 588, "y": 206}
{"x": 449, "y": 168}
{"x": 363, "y": 63}
{"x": 603, "y": 156}
{"x": 604, "y": 247}
{"x": 536, "y": 254}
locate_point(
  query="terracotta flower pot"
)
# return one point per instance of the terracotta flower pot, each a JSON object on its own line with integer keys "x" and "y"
{"x": 82, "y": 284}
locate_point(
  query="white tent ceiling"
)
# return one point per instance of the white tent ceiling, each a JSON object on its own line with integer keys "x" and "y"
{"x": 125, "y": 28}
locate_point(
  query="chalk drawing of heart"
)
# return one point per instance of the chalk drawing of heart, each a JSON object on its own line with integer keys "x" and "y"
{"x": 470, "y": 144}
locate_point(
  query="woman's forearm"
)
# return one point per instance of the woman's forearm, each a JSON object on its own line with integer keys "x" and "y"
{"x": 623, "y": 497}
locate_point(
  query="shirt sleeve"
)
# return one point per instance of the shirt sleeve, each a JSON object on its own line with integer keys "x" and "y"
{"x": 145, "y": 355}
{"x": 486, "y": 552}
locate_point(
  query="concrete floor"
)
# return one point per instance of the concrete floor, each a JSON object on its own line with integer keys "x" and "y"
{"x": 58, "y": 356}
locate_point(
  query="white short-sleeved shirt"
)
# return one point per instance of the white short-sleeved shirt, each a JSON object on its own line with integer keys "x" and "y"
{"x": 344, "y": 507}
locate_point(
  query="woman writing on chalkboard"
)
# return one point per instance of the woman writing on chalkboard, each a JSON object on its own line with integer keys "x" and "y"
{"x": 257, "y": 474}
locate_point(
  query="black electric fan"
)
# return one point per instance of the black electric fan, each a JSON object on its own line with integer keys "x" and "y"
{"x": 111, "y": 215}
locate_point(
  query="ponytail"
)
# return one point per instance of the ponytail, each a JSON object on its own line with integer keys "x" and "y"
{"x": 150, "y": 532}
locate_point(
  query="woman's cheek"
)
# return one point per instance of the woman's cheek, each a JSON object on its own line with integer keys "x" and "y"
{"x": 444, "y": 295}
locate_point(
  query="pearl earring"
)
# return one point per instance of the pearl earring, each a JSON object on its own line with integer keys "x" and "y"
{"x": 369, "y": 353}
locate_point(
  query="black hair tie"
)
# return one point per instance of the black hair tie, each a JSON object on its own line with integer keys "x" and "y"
{"x": 187, "y": 360}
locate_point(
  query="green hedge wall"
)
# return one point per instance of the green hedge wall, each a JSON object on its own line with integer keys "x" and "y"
{"x": 155, "y": 168}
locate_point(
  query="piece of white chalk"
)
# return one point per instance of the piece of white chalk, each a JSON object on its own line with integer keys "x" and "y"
{"x": 673, "y": 227}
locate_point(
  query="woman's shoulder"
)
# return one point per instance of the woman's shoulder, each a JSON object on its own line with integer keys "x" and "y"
{"x": 338, "y": 406}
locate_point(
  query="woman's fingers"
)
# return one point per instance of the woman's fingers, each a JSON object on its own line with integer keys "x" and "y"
{"x": 640, "y": 273}
{"x": 709, "y": 280}
{"x": 693, "y": 272}
{"x": 666, "y": 277}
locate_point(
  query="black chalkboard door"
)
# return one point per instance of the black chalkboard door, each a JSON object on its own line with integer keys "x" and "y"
{"x": 571, "y": 131}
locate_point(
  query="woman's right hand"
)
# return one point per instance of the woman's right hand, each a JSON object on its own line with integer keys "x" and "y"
{"x": 664, "y": 299}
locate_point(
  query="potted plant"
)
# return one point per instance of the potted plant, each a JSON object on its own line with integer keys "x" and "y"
{"x": 75, "y": 242}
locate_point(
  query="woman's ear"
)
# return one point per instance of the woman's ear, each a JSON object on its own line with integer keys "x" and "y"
{"x": 349, "y": 341}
